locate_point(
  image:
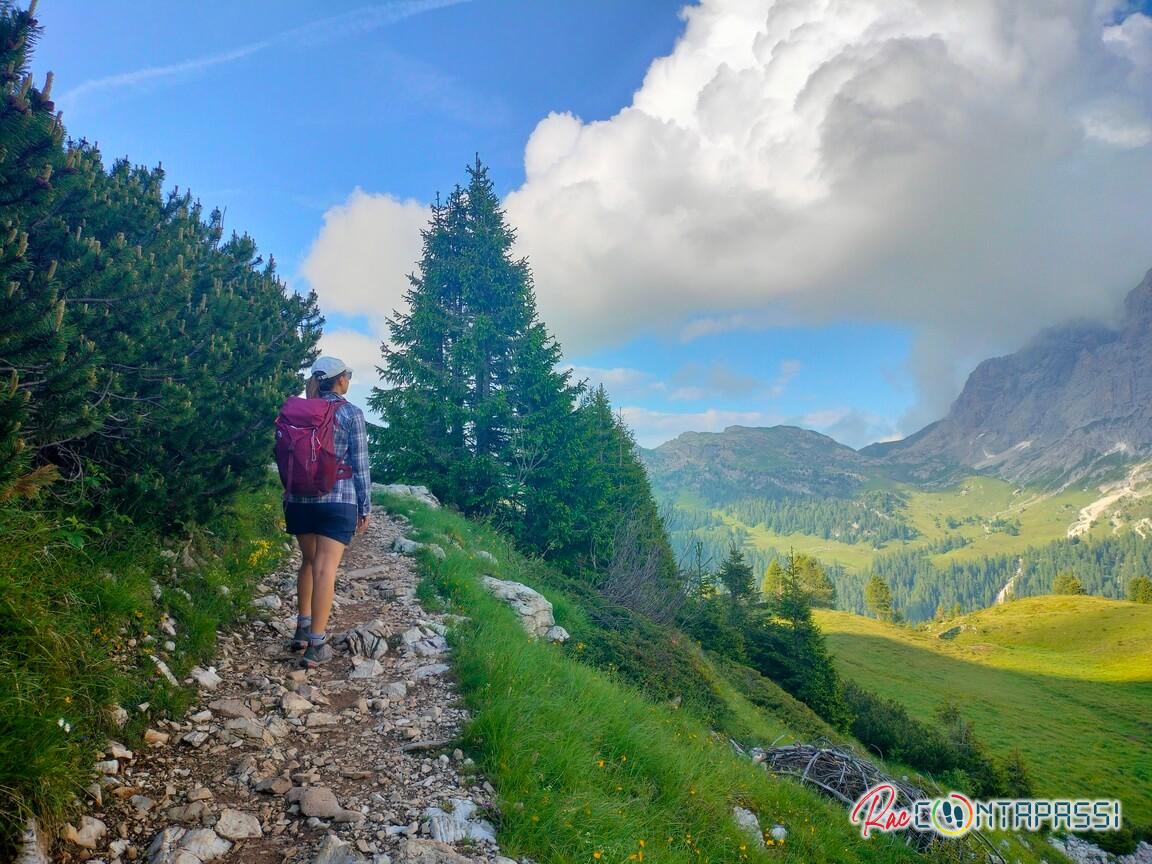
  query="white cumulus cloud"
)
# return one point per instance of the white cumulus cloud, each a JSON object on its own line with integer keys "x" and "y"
{"x": 974, "y": 170}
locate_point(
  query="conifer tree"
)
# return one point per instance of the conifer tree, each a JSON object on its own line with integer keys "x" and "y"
{"x": 1140, "y": 589}
{"x": 476, "y": 406}
{"x": 878, "y": 598}
{"x": 1067, "y": 583}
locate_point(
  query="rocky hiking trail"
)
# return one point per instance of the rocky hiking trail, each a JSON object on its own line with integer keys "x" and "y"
{"x": 350, "y": 762}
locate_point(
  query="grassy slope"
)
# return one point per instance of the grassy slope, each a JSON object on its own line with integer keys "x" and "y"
{"x": 585, "y": 762}
{"x": 1043, "y": 518}
{"x": 79, "y": 622}
{"x": 1068, "y": 680}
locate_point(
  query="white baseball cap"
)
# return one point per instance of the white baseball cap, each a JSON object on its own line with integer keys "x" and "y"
{"x": 329, "y": 367}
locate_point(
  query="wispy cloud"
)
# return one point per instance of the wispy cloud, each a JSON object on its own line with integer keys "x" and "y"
{"x": 354, "y": 22}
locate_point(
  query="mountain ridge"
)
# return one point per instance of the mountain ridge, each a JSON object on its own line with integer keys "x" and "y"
{"x": 1073, "y": 405}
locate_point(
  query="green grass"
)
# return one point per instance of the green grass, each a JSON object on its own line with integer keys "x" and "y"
{"x": 1044, "y": 517}
{"x": 79, "y": 620}
{"x": 1068, "y": 680}
{"x": 587, "y": 761}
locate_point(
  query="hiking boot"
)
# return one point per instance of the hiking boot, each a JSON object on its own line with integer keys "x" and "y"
{"x": 315, "y": 655}
{"x": 299, "y": 639}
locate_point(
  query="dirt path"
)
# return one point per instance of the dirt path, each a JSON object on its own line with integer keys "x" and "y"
{"x": 277, "y": 765}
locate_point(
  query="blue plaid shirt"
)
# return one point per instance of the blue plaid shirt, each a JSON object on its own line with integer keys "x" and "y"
{"x": 351, "y": 442}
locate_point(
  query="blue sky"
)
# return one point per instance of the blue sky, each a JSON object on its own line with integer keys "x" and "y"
{"x": 735, "y": 261}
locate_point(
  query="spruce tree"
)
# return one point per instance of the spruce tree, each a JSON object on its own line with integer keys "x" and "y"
{"x": 1140, "y": 589}
{"x": 474, "y": 406}
{"x": 878, "y": 598}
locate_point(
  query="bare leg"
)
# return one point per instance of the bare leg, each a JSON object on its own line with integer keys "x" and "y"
{"x": 324, "y": 564}
{"x": 304, "y": 576}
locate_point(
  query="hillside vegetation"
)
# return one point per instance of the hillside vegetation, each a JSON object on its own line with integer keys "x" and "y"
{"x": 1066, "y": 680}
{"x": 607, "y": 748}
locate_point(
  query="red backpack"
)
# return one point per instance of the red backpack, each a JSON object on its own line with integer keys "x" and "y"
{"x": 306, "y": 447}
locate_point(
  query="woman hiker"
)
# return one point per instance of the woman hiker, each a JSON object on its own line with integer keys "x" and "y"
{"x": 324, "y": 525}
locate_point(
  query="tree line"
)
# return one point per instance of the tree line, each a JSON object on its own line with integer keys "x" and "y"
{"x": 143, "y": 348}
{"x": 875, "y": 517}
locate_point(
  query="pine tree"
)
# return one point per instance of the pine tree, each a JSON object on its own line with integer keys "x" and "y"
{"x": 475, "y": 405}
{"x": 1140, "y": 589}
{"x": 813, "y": 580}
{"x": 736, "y": 575}
{"x": 879, "y": 598}
{"x": 1067, "y": 583}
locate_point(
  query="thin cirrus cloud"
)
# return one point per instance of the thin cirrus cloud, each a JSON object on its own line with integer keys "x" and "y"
{"x": 355, "y": 21}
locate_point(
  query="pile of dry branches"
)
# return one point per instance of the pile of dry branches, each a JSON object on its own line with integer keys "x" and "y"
{"x": 845, "y": 776}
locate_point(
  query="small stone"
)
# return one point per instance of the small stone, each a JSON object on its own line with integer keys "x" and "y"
{"x": 333, "y": 850}
{"x": 154, "y": 738}
{"x": 251, "y": 730}
{"x": 430, "y": 670}
{"x": 174, "y": 845}
{"x": 200, "y": 794}
{"x": 273, "y": 786}
{"x": 557, "y": 634}
{"x": 298, "y": 675}
{"x": 354, "y": 817}
{"x": 206, "y": 678}
{"x": 749, "y": 823}
{"x": 395, "y": 690}
{"x": 118, "y": 751}
{"x": 108, "y": 766}
{"x": 319, "y": 718}
{"x": 366, "y": 669}
{"x": 429, "y": 852}
{"x": 169, "y": 646}
{"x": 195, "y": 739}
{"x": 96, "y": 793}
{"x": 117, "y": 715}
{"x": 318, "y": 801}
{"x": 294, "y": 705}
{"x": 164, "y": 670}
{"x": 268, "y": 601}
{"x": 487, "y": 556}
{"x": 236, "y": 825}
{"x": 88, "y": 835}
{"x": 142, "y": 803}
{"x": 201, "y": 716}
{"x": 232, "y": 709}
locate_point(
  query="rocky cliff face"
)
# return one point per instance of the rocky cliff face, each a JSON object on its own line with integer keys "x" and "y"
{"x": 1071, "y": 405}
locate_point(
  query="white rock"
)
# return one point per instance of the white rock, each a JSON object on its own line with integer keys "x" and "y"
{"x": 117, "y": 715}
{"x": 487, "y": 556}
{"x": 333, "y": 850}
{"x": 108, "y": 766}
{"x": 294, "y": 704}
{"x": 268, "y": 601}
{"x": 437, "y": 551}
{"x": 405, "y": 546}
{"x": 401, "y": 490}
{"x": 430, "y": 670}
{"x": 366, "y": 669}
{"x": 33, "y": 845}
{"x": 250, "y": 729}
{"x": 88, "y": 835}
{"x": 183, "y": 846}
{"x": 749, "y": 823}
{"x": 534, "y": 610}
{"x": 395, "y": 690}
{"x": 206, "y": 678}
{"x": 366, "y": 640}
{"x": 154, "y": 738}
{"x": 319, "y": 718}
{"x": 557, "y": 633}
{"x": 236, "y": 825}
{"x": 164, "y": 670}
